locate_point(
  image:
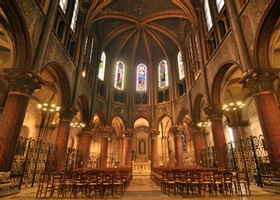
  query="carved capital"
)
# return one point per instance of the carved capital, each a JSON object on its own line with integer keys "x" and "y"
{"x": 259, "y": 80}
{"x": 214, "y": 112}
{"x": 23, "y": 81}
{"x": 88, "y": 127}
{"x": 243, "y": 123}
{"x": 177, "y": 131}
{"x": 129, "y": 133}
{"x": 67, "y": 113}
{"x": 105, "y": 131}
{"x": 154, "y": 133}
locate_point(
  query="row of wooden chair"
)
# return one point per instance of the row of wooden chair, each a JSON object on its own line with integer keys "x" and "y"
{"x": 202, "y": 182}
{"x": 97, "y": 183}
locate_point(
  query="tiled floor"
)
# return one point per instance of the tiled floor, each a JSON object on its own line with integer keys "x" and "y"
{"x": 143, "y": 188}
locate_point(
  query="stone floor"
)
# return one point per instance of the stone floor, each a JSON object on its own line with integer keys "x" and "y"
{"x": 143, "y": 188}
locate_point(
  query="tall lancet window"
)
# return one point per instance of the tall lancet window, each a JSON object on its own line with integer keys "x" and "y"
{"x": 141, "y": 78}
{"x": 208, "y": 15}
{"x": 101, "y": 71}
{"x": 119, "y": 76}
{"x": 75, "y": 15}
{"x": 162, "y": 74}
{"x": 63, "y": 5}
{"x": 180, "y": 66}
{"x": 220, "y": 4}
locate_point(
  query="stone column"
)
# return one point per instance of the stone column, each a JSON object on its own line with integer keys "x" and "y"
{"x": 215, "y": 114}
{"x": 66, "y": 116}
{"x": 105, "y": 134}
{"x": 260, "y": 83}
{"x": 154, "y": 151}
{"x": 22, "y": 85}
{"x": 128, "y": 146}
{"x": 197, "y": 139}
{"x": 84, "y": 144}
{"x": 178, "y": 145}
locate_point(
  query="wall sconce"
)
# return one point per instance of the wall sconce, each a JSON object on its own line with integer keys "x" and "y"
{"x": 233, "y": 106}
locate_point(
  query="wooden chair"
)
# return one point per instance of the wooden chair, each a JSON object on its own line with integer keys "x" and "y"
{"x": 218, "y": 182}
{"x": 93, "y": 183}
{"x": 79, "y": 183}
{"x": 207, "y": 182}
{"x": 45, "y": 185}
{"x": 185, "y": 180}
{"x": 57, "y": 184}
{"x": 170, "y": 183}
{"x": 119, "y": 183}
{"x": 195, "y": 183}
{"x": 242, "y": 179}
{"x": 107, "y": 184}
{"x": 228, "y": 182}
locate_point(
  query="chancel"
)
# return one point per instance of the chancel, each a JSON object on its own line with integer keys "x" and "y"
{"x": 100, "y": 98}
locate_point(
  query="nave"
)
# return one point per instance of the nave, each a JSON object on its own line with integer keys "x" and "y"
{"x": 143, "y": 188}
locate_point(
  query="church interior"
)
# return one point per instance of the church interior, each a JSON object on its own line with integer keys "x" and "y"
{"x": 143, "y": 87}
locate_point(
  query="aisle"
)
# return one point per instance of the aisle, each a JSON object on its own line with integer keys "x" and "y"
{"x": 143, "y": 188}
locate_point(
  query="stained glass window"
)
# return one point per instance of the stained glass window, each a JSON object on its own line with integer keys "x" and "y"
{"x": 75, "y": 16}
{"x": 180, "y": 66}
{"x": 163, "y": 74}
{"x": 63, "y": 5}
{"x": 220, "y": 4}
{"x": 119, "y": 76}
{"x": 101, "y": 71}
{"x": 208, "y": 15}
{"x": 141, "y": 78}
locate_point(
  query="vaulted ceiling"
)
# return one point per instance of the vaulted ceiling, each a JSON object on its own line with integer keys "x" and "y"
{"x": 141, "y": 30}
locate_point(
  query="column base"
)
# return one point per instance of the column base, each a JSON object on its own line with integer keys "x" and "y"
{"x": 6, "y": 186}
{"x": 272, "y": 186}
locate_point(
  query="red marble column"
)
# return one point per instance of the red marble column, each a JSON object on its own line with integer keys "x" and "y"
{"x": 105, "y": 134}
{"x": 22, "y": 85}
{"x": 269, "y": 116}
{"x": 178, "y": 145}
{"x": 84, "y": 145}
{"x": 128, "y": 147}
{"x": 197, "y": 139}
{"x": 260, "y": 83}
{"x": 216, "y": 115}
{"x": 154, "y": 135}
{"x": 66, "y": 115}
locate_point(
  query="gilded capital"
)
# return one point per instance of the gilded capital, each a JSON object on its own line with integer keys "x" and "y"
{"x": 214, "y": 112}
{"x": 154, "y": 133}
{"x": 129, "y": 133}
{"x": 177, "y": 131}
{"x": 259, "y": 80}
{"x": 105, "y": 131}
{"x": 23, "y": 81}
{"x": 67, "y": 113}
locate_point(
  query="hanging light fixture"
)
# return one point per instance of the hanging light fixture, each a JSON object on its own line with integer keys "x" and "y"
{"x": 77, "y": 124}
{"x": 233, "y": 106}
{"x": 204, "y": 124}
{"x": 48, "y": 107}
